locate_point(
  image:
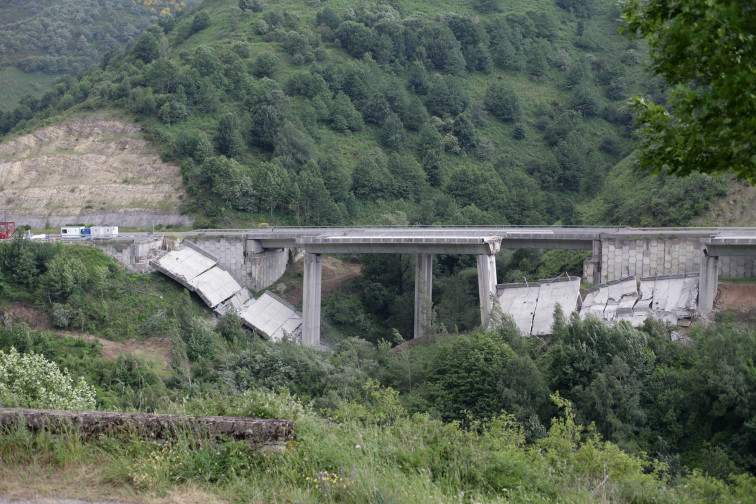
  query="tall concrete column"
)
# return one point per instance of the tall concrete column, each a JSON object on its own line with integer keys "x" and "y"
{"x": 596, "y": 258}
{"x": 423, "y": 292}
{"x": 486, "y": 285}
{"x": 313, "y": 268}
{"x": 707, "y": 283}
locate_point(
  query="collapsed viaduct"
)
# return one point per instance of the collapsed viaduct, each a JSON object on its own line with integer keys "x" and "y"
{"x": 259, "y": 257}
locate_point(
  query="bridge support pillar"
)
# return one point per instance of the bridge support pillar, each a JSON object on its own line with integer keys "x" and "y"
{"x": 313, "y": 268}
{"x": 486, "y": 286}
{"x": 597, "y": 259}
{"x": 707, "y": 283}
{"x": 423, "y": 292}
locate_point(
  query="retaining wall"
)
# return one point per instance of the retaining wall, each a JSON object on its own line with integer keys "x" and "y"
{"x": 656, "y": 257}
{"x": 135, "y": 256}
{"x": 255, "y": 271}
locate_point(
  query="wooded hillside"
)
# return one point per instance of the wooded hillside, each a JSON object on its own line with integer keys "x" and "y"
{"x": 41, "y": 39}
{"x": 392, "y": 112}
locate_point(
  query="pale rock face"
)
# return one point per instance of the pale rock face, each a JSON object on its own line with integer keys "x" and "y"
{"x": 91, "y": 166}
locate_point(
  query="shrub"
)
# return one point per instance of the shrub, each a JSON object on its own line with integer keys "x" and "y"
{"x": 200, "y": 21}
{"x": 502, "y": 101}
{"x": 31, "y": 381}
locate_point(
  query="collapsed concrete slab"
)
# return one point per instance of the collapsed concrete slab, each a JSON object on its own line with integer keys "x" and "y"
{"x": 674, "y": 298}
{"x": 215, "y": 286}
{"x": 519, "y": 301}
{"x": 272, "y": 316}
{"x": 184, "y": 264}
{"x": 235, "y": 302}
{"x": 612, "y": 301}
{"x": 561, "y": 291}
{"x": 532, "y": 305}
{"x": 199, "y": 271}
{"x": 669, "y": 298}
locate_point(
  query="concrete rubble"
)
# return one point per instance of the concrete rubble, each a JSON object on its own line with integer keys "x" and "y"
{"x": 272, "y": 316}
{"x": 670, "y": 298}
{"x": 613, "y": 301}
{"x": 673, "y": 297}
{"x": 199, "y": 271}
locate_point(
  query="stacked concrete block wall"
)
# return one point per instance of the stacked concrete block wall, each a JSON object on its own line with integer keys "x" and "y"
{"x": 135, "y": 256}
{"x": 647, "y": 258}
{"x": 737, "y": 266}
{"x": 622, "y": 258}
{"x": 255, "y": 271}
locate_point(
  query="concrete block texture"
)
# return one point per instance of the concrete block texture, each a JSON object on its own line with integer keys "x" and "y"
{"x": 257, "y": 271}
{"x": 655, "y": 257}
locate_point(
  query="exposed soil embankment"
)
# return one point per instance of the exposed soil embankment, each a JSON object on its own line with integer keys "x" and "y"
{"x": 93, "y": 170}
{"x": 736, "y": 297}
{"x": 334, "y": 273}
{"x": 155, "y": 350}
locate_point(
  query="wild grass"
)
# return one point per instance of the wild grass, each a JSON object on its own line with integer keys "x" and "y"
{"x": 371, "y": 458}
{"x": 16, "y": 84}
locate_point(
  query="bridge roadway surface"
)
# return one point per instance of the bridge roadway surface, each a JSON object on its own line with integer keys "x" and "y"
{"x": 546, "y": 237}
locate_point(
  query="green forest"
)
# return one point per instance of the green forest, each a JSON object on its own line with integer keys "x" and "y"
{"x": 41, "y": 40}
{"x": 406, "y": 112}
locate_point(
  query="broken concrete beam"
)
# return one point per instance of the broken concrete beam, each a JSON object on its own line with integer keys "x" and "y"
{"x": 256, "y": 432}
{"x": 562, "y": 291}
{"x": 519, "y": 301}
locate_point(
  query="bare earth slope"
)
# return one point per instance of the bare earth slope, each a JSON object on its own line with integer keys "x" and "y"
{"x": 738, "y": 208}
{"x": 94, "y": 170}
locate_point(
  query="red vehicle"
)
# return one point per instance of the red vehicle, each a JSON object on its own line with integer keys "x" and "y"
{"x": 7, "y": 230}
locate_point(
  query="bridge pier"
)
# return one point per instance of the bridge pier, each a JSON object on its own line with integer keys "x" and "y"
{"x": 486, "y": 286}
{"x": 596, "y": 258}
{"x": 707, "y": 283}
{"x": 313, "y": 270}
{"x": 423, "y": 292}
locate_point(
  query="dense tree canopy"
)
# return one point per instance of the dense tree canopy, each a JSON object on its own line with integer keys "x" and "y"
{"x": 706, "y": 53}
